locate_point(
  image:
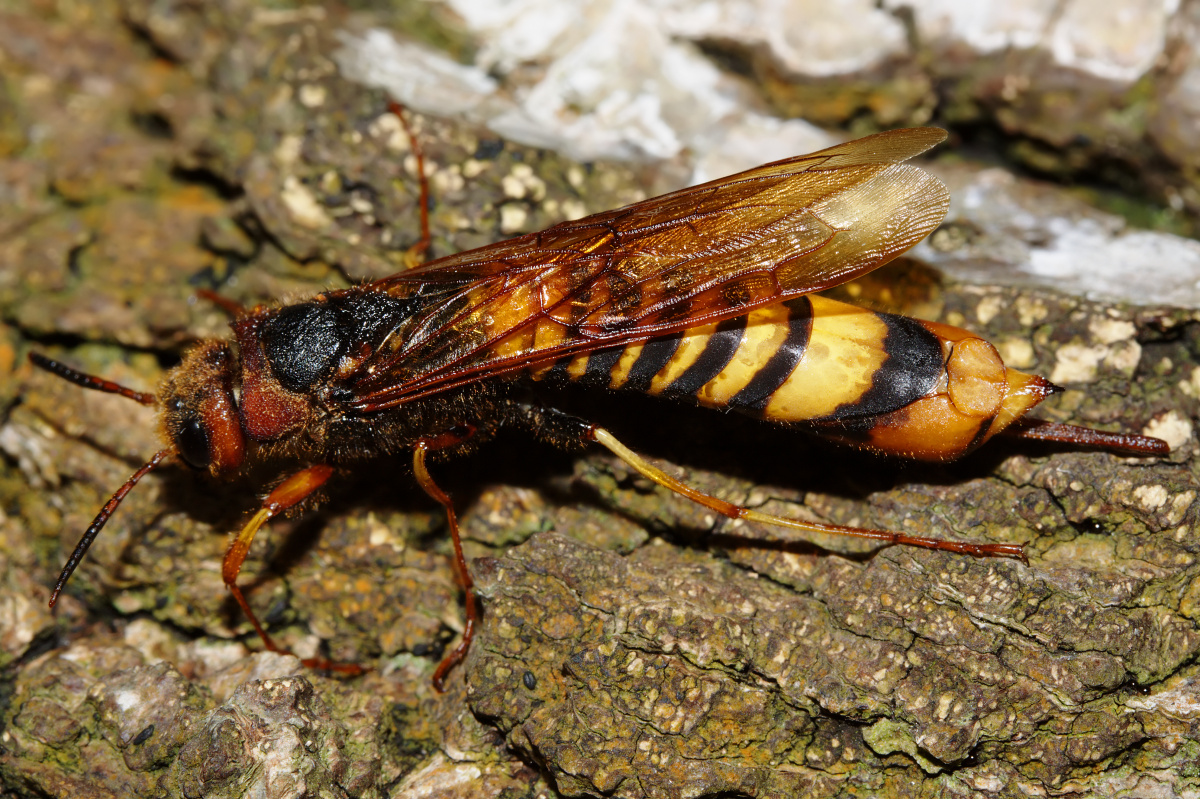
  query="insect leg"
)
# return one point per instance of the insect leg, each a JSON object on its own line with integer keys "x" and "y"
{"x": 417, "y": 253}
{"x": 234, "y": 309}
{"x": 424, "y": 446}
{"x": 1120, "y": 443}
{"x": 652, "y": 472}
{"x": 291, "y": 491}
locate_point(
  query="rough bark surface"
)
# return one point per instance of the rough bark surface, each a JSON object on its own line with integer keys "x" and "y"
{"x": 631, "y": 645}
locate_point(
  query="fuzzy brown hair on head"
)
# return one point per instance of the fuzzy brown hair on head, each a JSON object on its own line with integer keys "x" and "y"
{"x": 199, "y": 420}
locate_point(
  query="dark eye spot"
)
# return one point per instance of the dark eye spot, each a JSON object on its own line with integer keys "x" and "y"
{"x": 192, "y": 442}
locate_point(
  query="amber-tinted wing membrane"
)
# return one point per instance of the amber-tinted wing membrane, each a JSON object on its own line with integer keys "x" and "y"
{"x": 704, "y": 253}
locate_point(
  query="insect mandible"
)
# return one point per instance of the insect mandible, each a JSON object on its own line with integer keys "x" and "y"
{"x": 704, "y": 295}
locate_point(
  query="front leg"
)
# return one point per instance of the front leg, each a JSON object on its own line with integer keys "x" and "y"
{"x": 290, "y": 492}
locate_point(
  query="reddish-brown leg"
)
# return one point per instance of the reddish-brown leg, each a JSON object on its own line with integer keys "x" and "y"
{"x": 431, "y": 488}
{"x": 1119, "y": 443}
{"x": 417, "y": 253}
{"x": 728, "y": 509}
{"x": 234, "y": 309}
{"x": 290, "y": 492}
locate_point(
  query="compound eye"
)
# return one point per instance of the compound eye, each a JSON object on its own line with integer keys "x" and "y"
{"x": 193, "y": 444}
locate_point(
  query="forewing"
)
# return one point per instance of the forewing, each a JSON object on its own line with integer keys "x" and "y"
{"x": 703, "y": 253}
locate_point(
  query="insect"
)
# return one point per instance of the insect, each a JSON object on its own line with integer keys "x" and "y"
{"x": 704, "y": 295}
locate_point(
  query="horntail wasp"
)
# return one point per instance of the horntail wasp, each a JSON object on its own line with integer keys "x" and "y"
{"x": 704, "y": 295}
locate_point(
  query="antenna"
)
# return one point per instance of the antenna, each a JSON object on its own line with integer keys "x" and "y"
{"x": 88, "y": 381}
{"x": 98, "y": 523}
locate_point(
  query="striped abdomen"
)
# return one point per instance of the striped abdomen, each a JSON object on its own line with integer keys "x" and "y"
{"x": 883, "y": 381}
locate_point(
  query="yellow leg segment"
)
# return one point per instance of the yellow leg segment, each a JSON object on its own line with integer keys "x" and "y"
{"x": 291, "y": 491}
